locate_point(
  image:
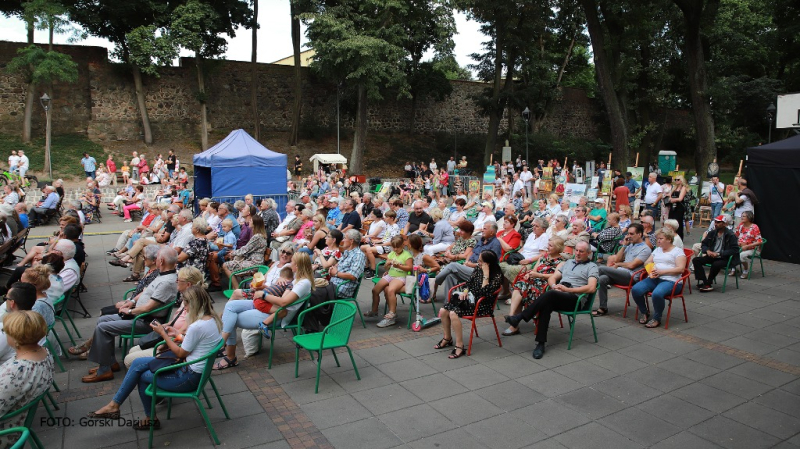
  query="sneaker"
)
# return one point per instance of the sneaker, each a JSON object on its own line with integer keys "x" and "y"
{"x": 388, "y": 320}
{"x": 369, "y": 273}
{"x": 706, "y": 288}
{"x": 127, "y": 220}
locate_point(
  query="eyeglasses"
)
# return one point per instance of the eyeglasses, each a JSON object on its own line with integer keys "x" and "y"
{"x": 287, "y": 253}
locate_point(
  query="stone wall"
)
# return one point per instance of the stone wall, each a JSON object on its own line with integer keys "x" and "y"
{"x": 102, "y": 104}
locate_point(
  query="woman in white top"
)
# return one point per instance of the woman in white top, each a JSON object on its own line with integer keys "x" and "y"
{"x": 553, "y": 207}
{"x": 460, "y": 213}
{"x": 670, "y": 262}
{"x": 258, "y": 313}
{"x": 378, "y": 226}
{"x": 202, "y": 336}
{"x": 673, "y": 225}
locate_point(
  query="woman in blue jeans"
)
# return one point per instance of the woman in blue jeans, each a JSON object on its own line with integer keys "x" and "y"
{"x": 669, "y": 262}
{"x": 202, "y": 336}
{"x": 246, "y": 314}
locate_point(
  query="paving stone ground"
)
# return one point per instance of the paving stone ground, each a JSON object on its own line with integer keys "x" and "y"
{"x": 729, "y": 377}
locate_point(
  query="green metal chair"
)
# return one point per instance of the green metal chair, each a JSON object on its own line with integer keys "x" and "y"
{"x": 335, "y": 335}
{"x": 29, "y": 410}
{"x": 52, "y": 350}
{"x": 412, "y": 309}
{"x": 63, "y": 313}
{"x": 757, "y": 255}
{"x": 125, "y": 338}
{"x": 354, "y": 298}
{"x": 24, "y": 434}
{"x": 275, "y": 326}
{"x": 572, "y": 315}
{"x": 261, "y": 269}
{"x": 725, "y": 274}
{"x": 156, "y": 392}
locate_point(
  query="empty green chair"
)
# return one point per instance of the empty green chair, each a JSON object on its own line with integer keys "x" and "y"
{"x": 335, "y": 335}
{"x": 156, "y": 392}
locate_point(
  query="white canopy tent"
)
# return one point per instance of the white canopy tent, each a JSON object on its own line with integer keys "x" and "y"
{"x": 327, "y": 159}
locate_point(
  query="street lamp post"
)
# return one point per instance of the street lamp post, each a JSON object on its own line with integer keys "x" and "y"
{"x": 770, "y": 115}
{"x": 526, "y": 115}
{"x": 46, "y": 103}
{"x": 338, "y": 127}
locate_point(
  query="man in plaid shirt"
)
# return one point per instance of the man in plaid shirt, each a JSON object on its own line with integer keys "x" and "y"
{"x": 345, "y": 274}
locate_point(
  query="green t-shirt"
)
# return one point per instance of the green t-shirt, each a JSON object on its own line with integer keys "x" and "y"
{"x": 399, "y": 259}
{"x": 601, "y": 212}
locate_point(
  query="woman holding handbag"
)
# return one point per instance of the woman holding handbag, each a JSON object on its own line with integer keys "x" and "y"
{"x": 202, "y": 336}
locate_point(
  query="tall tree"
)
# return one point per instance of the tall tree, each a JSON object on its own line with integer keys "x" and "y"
{"x": 360, "y": 43}
{"x": 698, "y": 16}
{"x": 198, "y": 26}
{"x": 116, "y": 21}
{"x": 254, "y": 73}
{"x": 294, "y": 135}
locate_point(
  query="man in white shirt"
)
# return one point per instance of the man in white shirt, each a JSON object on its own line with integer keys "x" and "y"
{"x": 653, "y": 195}
{"x": 518, "y": 185}
{"x": 13, "y": 161}
{"x": 185, "y": 234}
{"x": 716, "y": 196}
{"x": 451, "y": 166}
{"x": 526, "y": 176}
{"x": 535, "y": 247}
{"x": 23, "y": 164}
{"x": 485, "y": 216}
{"x": 433, "y": 165}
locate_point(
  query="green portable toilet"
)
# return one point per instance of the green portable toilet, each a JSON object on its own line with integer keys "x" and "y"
{"x": 667, "y": 160}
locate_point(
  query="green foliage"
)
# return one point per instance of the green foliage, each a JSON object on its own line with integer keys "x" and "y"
{"x": 40, "y": 66}
{"x": 452, "y": 71}
{"x": 67, "y": 151}
{"x": 360, "y": 42}
{"x": 150, "y": 48}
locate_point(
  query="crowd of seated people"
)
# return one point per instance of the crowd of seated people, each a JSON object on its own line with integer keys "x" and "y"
{"x": 537, "y": 253}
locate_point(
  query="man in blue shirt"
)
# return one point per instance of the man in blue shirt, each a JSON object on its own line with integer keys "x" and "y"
{"x": 22, "y": 211}
{"x": 334, "y": 218}
{"x": 89, "y": 165}
{"x": 43, "y": 207}
{"x": 632, "y": 186}
{"x": 455, "y": 273}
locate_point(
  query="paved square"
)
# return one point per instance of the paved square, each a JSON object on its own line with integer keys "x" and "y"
{"x": 730, "y": 378}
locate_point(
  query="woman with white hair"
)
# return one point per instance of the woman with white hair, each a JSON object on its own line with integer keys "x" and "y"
{"x": 673, "y": 225}
{"x": 195, "y": 253}
{"x": 71, "y": 272}
{"x": 442, "y": 235}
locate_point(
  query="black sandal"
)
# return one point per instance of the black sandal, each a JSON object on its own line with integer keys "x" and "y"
{"x": 455, "y": 355}
{"x": 443, "y": 343}
{"x": 230, "y": 363}
{"x": 600, "y": 312}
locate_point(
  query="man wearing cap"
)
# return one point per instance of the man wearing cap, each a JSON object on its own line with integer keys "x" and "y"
{"x": 597, "y": 215}
{"x": 715, "y": 249}
{"x": 334, "y": 218}
{"x": 633, "y": 187}
{"x": 485, "y": 216}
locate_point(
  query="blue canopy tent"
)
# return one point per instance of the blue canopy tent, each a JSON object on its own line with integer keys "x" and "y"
{"x": 239, "y": 165}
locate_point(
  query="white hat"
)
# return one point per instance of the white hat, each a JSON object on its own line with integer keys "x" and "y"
{"x": 598, "y": 200}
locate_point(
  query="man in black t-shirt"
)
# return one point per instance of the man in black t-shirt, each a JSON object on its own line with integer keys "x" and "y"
{"x": 350, "y": 219}
{"x": 171, "y": 163}
{"x": 418, "y": 218}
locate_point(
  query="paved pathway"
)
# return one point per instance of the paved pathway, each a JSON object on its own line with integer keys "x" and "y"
{"x": 727, "y": 378}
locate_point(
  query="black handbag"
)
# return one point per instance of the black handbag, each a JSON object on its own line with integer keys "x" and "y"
{"x": 163, "y": 360}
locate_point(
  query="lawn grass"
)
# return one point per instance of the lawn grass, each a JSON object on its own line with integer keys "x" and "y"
{"x": 66, "y": 151}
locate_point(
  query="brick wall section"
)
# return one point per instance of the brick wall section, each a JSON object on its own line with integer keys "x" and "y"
{"x": 102, "y": 104}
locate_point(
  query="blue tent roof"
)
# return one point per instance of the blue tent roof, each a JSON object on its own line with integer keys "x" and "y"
{"x": 236, "y": 166}
{"x": 239, "y": 150}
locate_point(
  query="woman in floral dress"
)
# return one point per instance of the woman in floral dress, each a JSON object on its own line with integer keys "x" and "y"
{"x": 532, "y": 282}
{"x": 249, "y": 255}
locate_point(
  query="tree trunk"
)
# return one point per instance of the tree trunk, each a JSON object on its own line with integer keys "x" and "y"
{"x": 360, "y": 138}
{"x": 298, "y": 80}
{"x": 254, "y": 74}
{"x": 140, "y": 100}
{"x": 494, "y": 114}
{"x": 413, "y": 115}
{"x": 201, "y": 88}
{"x": 30, "y": 97}
{"x": 706, "y": 149}
{"x": 614, "y": 109}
